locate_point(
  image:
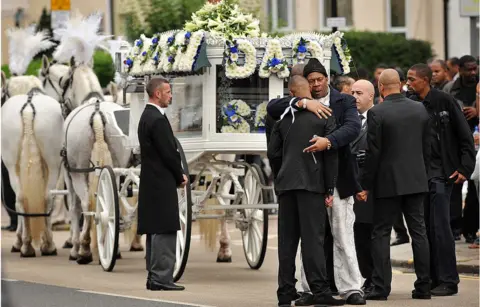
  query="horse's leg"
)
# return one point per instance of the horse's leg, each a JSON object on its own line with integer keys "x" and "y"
{"x": 48, "y": 246}
{"x": 81, "y": 188}
{"x": 225, "y": 252}
{"x": 27, "y": 249}
{"x": 136, "y": 245}
{"x": 18, "y": 241}
{"x": 16, "y": 189}
{"x": 75, "y": 213}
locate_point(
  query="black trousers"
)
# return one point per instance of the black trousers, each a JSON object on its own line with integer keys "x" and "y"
{"x": 443, "y": 261}
{"x": 470, "y": 212}
{"x": 385, "y": 212}
{"x": 301, "y": 215}
{"x": 363, "y": 245}
{"x": 160, "y": 257}
{"x": 456, "y": 209}
{"x": 399, "y": 227}
{"x": 8, "y": 194}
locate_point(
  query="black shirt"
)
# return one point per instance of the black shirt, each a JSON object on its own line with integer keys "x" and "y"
{"x": 435, "y": 168}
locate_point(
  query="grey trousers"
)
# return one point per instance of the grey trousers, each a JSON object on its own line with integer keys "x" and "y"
{"x": 160, "y": 257}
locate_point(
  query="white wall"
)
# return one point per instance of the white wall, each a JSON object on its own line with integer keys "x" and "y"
{"x": 458, "y": 31}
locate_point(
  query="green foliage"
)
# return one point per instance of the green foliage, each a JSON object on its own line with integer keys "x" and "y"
{"x": 368, "y": 49}
{"x": 163, "y": 15}
{"x": 45, "y": 24}
{"x": 103, "y": 67}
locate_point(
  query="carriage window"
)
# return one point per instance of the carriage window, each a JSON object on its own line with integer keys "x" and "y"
{"x": 185, "y": 112}
{"x": 241, "y": 103}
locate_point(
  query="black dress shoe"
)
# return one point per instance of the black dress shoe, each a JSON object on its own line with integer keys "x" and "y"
{"x": 169, "y": 287}
{"x": 355, "y": 299}
{"x": 327, "y": 300}
{"x": 445, "y": 290}
{"x": 306, "y": 299}
{"x": 148, "y": 284}
{"x": 375, "y": 296}
{"x": 421, "y": 295}
{"x": 400, "y": 241}
{"x": 368, "y": 287}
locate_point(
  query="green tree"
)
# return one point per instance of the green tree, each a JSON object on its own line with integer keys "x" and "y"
{"x": 45, "y": 24}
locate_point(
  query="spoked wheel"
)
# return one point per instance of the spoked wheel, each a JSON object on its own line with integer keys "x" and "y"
{"x": 185, "y": 212}
{"x": 255, "y": 221}
{"x": 107, "y": 218}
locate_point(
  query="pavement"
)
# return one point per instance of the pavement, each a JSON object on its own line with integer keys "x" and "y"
{"x": 55, "y": 281}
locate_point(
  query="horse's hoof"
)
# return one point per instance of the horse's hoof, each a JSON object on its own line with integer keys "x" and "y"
{"x": 15, "y": 250}
{"x": 84, "y": 259}
{"x": 30, "y": 255}
{"x": 52, "y": 253}
{"x": 67, "y": 245}
{"x": 225, "y": 260}
{"x": 71, "y": 258}
{"x": 119, "y": 256}
{"x": 136, "y": 249}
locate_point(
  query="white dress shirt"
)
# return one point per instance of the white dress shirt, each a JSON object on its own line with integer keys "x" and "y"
{"x": 159, "y": 108}
{"x": 364, "y": 115}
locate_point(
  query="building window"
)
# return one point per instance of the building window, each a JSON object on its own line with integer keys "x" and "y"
{"x": 344, "y": 9}
{"x": 282, "y": 14}
{"x": 397, "y": 17}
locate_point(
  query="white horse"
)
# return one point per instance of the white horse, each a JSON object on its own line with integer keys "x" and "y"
{"x": 87, "y": 138}
{"x": 31, "y": 154}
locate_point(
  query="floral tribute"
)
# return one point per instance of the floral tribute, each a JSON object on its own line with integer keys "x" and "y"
{"x": 232, "y": 68}
{"x": 224, "y": 19}
{"x": 234, "y": 115}
{"x": 129, "y": 61}
{"x": 301, "y": 47}
{"x": 153, "y": 55}
{"x": 261, "y": 116}
{"x": 274, "y": 61}
{"x": 343, "y": 53}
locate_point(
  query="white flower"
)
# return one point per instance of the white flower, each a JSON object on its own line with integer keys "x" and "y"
{"x": 234, "y": 71}
{"x": 234, "y": 57}
{"x": 228, "y": 129}
{"x": 273, "y": 50}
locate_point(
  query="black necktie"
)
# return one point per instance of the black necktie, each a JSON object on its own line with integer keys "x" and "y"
{"x": 361, "y": 117}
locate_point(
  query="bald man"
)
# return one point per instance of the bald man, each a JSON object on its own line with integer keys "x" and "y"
{"x": 364, "y": 93}
{"x": 396, "y": 170}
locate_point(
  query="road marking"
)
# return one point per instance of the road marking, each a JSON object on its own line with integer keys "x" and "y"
{"x": 463, "y": 277}
{"x": 142, "y": 298}
{"x": 9, "y": 280}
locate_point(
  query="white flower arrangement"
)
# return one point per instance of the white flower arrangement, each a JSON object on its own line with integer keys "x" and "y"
{"x": 153, "y": 55}
{"x": 171, "y": 53}
{"x": 261, "y": 116}
{"x": 232, "y": 69}
{"x": 234, "y": 113}
{"x": 163, "y": 54}
{"x": 187, "y": 53}
{"x": 134, "y": 52}
{"x": 138, "y": 51}
{"x": 343, "y": 53}
{"x": 274, "y": 61}
{"x": 302, "y": 46}
{"x": 224, "y": 19}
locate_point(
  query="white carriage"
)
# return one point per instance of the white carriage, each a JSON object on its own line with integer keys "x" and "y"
{"x": 218, "y": 112}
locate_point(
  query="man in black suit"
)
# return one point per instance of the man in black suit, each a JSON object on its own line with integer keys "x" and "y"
{"x": 452, "y": 161}
{"x": 364, "y": 93}
{"x": 161, "y": 174}
{"x": 396, "y": 171}
{"x": 303, "y": 181}
{"x": 348, "y": 279}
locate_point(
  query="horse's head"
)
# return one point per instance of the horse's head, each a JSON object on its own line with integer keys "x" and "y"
{"x": 19, "y": 85}
{"x": 52, "y": 76}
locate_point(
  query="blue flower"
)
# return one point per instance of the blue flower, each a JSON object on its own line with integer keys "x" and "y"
{"x": 155, "y": 58}
{"x": 144, "y": 53}
{"x": 170, "y": 40}
{"x": 139, "y": 43}
{"x": 230, "y": 111}
{"x": 129, "y": 62}
{"x": 261, "y": 129}
{"x": 155, "y": 40}
{"x": 302, "y": 49}
{"x": 234, "y": 49}
{"x": 171, "y": 59}
{"x": 274, "y": 62}
{"x": 188, "y": 35}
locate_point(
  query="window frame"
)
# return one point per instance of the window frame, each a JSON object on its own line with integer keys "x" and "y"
{"x": 388, "y": 18}
{"x": 322, "y": 26}
{"x": 274, "y": 14}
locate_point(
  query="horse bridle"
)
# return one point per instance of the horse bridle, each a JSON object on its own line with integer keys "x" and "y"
{"x": 65, "y": 103}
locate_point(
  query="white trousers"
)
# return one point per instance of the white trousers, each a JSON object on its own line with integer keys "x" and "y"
{"x": 348, "y": 278}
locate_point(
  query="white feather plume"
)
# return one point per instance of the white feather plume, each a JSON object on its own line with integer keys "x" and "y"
{"x": 79, "y": 38}
{"x": 24, "y": 44}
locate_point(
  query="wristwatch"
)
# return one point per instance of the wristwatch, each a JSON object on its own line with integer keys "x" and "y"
{"x": 304, "y": 101}
{"x": 329, "y": 145}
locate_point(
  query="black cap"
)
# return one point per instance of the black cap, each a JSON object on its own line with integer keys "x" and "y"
{"x": 314, "y": 65}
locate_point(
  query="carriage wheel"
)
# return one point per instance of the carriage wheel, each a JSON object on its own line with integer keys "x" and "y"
{"x": 185, "y": 212}
{"x": 255, "y": 236}
{"x": 107, "y": 218}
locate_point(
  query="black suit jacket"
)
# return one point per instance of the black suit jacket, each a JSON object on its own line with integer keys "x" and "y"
{"x": 363, "y": 210}
{"x": 294, "y": 169}
{"x": 398, "y": 148}
{"x": 161, "y": 174}
{"x": 348, "y": 127}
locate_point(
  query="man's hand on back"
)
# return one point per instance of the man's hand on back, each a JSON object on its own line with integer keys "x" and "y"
{"x": 320, "y": 144}
{"x": 316, "y": 107}
{"x": 185, "y": 181}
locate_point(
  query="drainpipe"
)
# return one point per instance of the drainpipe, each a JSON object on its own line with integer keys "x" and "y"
{"x": 445, "y": 27}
